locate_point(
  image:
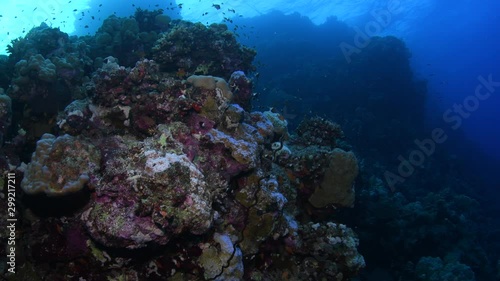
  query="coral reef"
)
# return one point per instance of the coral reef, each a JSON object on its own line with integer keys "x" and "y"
{"x": 380, "y": 105}
{"x": 279, "y": 123}
{"x": 444, "y": 220}
{"x": 5, "y": 76}
{"x": 159, "y": 170}
{"x": 150, "y": 174}
{"x": 42, "y": 69}
{"x": 41, "y": 40}
{"x": 333, "y": 248}
{"x": 46, "y": 71}
{"x": 49, "y": 55}
{"x": 242, "y": 89}
{"x": 319, "y": 131}
{"x": 337, "y": 186}
{"x": 159, "y": 194}
{"x": 5, "y": 114}
{"x": 171, "y": 159}
{"x": 197, "y": 49}
{"x": 221, "y": 261}
{"x": 128, "y": 39}
{"x": 152, "y": 20}
{"x": 60, "y": 166}
{"x": 433, "y": 269}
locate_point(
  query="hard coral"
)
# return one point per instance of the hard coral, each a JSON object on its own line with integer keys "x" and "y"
{"x": 265, "y": 203}
{"x": 330, "y": 251}
{"x": 279, "y": 123}
{"x": 47, "y": 69}
{"x": 198, "y": 49}
{"x": 5, "y": 113}
{"x": 149, "y": 194}
{"x": 221, "y": 260}
{"x": 242, "y": 89}
{"x": 337, "y": 186}
{"x": 42, "y": 40}
{"x": 118, "y": 34}
{"x": 60, "y": 166}
{"x": 154, "y": 20}
{"x": 319, "y": 131}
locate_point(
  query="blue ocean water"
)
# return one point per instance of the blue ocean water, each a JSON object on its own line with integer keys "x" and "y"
{"x": 415, "y": 86}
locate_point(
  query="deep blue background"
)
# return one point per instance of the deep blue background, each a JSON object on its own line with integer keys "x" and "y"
{"x": 451, "y": 47}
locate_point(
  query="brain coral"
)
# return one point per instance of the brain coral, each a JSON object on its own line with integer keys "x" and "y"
{"x": 60, "y": 166}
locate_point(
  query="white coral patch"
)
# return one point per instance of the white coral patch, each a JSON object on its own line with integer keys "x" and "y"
{"x": 157, "y": 163}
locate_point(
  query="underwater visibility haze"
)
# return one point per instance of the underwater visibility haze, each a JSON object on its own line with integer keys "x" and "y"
{"x": 250, "y": 140}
